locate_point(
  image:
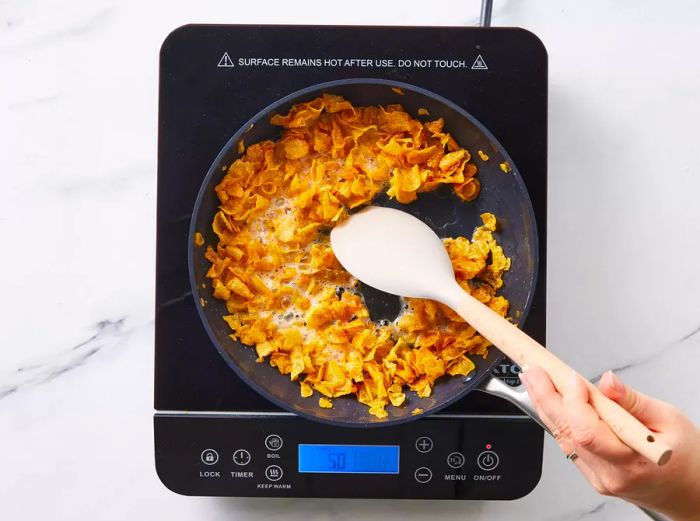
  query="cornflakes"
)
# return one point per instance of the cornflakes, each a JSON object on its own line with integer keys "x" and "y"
{"x": 286, "y": 294}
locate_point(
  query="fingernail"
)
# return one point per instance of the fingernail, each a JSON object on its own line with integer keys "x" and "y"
{"x": 525, "y": 368}
{"x": 573, "y": 379}
{"x": 616, "y": 383}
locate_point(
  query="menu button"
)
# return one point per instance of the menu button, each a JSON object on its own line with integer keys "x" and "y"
{"x": 455, "y": 460}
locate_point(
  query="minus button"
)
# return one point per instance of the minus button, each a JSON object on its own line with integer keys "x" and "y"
{"x": 423, "y": 474}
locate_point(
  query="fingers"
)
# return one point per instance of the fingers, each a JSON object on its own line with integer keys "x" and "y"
{"x": 544, "y": 396}
{"x": 571, "y": 418}
{"x": 550, "y": 407}
{"x": 587, "y": 431}
{"x": 609, "y": 465}
{"x": 655, "y": 414}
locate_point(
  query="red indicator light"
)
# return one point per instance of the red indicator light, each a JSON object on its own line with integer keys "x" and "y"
{"x": 488, "y": 446}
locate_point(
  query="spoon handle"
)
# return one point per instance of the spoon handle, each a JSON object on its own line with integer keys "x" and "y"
{"x": 524, "y": 350}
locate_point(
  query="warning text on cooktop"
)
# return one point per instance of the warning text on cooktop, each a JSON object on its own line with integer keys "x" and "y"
{"x": 477, "y": 62}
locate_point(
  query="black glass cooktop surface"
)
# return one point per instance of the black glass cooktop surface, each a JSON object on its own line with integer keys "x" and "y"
{"x": 214, "y": 78}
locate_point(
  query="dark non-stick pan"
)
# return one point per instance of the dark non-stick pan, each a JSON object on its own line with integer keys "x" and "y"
{"x": 503, "y": 194}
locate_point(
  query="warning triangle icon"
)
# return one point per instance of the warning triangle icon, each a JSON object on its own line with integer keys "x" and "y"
{"x": 226, "y": 61}
{"x": 479, "y": 63}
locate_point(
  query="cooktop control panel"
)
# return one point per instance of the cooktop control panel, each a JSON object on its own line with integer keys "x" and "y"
{"x": 283, "y": 455}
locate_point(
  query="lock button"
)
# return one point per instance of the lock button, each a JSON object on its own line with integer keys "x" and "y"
{"x": 209, "y": 456}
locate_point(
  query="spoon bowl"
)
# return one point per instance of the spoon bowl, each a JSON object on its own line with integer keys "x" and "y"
{"x": 414, "y": 262}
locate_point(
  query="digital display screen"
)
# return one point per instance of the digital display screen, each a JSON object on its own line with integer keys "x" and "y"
{"x": 349, "y": 459}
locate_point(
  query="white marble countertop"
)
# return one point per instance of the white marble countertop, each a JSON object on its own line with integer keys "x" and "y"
{"x": 78, "y": 113}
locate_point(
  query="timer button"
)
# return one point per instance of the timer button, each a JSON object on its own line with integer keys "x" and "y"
{"x": 487, "y": 460}
{"x": 424, "y": 444}
{"x": 273, "y": 442}
{"x": 423, "y": 474}
{"x": 241, "y": 457}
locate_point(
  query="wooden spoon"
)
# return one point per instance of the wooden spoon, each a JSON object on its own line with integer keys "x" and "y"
{"x": 395, "y": 252}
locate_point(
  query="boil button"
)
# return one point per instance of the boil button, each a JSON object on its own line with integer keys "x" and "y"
{"x": 273, "y": 442}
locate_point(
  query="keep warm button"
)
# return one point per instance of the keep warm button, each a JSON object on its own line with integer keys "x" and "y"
{"x": 487, "y": 460}
{"x": 273, "y": 473}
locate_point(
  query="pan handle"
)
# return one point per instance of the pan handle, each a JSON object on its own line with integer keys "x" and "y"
{"x": 516, "y": 395}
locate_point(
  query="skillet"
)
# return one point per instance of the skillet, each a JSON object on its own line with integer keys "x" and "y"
{"x": 503, "y": 194}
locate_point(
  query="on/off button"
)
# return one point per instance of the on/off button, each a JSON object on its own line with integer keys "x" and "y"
{"x": 487, "y": 460}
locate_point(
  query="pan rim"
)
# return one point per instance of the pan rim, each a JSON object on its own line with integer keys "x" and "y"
{"x": 481, "y": 374}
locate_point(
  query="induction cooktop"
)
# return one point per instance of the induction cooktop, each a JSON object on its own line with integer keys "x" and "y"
{"x": 214, "y": 435}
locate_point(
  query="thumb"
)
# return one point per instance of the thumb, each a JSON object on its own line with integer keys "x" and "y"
{"x": 655, "y": 414}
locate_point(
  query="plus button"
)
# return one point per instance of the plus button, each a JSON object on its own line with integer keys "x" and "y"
{"x": 424, "y": 444}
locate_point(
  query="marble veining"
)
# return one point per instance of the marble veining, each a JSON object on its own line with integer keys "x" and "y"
{"x": 78, "y": 133}
{"x": 667, "y": 350}
{"x": 108, "y": 334}
{"x": 690, "y": 335}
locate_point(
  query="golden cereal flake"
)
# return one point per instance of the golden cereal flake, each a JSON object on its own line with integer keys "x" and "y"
{"x": 483, "y": 155}
{"x": 285, "y": 292}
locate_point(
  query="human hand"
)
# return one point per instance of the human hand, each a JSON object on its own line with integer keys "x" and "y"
{"x": 610, "y": 466}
